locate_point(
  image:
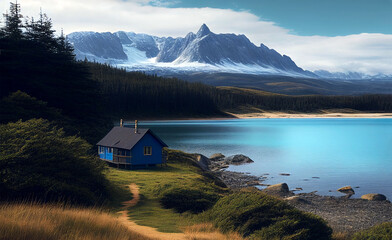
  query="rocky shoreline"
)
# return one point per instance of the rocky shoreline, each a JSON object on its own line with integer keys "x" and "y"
{"x": 343, "y": 214}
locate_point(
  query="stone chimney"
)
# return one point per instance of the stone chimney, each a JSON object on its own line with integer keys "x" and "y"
{"x": 136, "y": 126}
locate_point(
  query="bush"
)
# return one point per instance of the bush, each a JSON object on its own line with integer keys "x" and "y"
{"x": 39, "y": 162}
{"x": 192, "y": 200}
{"x": 379, "y": 232}
{"x": 20, "y": 105}
{"x": 259, "y": 216}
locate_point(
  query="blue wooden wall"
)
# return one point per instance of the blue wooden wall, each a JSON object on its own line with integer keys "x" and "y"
{"x": 138, "y": 157}
{"x": 105, "y": 155}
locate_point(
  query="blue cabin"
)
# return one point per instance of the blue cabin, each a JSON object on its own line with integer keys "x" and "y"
{"x": 130, "y": 147}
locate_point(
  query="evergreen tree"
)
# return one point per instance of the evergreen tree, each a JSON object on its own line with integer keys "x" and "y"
{"x": 64, "y": 47}
{"x": 13, "y": 22}
{"x": 41, "y": 32}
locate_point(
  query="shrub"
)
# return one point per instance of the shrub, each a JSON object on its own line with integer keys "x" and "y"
{"x": 259, "y": 216}
{"x": 192, "y": 200}
{"x": 39, "y": 162}
{"x": 379, "y": 232}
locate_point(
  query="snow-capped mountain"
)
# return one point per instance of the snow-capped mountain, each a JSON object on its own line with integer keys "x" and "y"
{"x": 204, "y": 51}
{"x": 349, "y": 75}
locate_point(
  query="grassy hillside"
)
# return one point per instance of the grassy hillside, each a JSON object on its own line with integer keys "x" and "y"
{"x": 56, "y": 222}
{"x": 247, "y": 214}
{"x": 182, "y": 173}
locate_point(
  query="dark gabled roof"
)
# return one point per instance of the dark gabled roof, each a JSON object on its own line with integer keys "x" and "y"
{"x": 126, "y": 138}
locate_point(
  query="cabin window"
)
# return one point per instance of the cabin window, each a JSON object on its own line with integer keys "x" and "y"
{"x": 110, "y": 150}
{"x": 100, "y": 150}
{"x": 147, "y": 150}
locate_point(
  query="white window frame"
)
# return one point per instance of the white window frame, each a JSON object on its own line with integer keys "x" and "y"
{"x": 110, "y": 150}
{"x": 101, "y": 150}
{"x": 147, "y": 150}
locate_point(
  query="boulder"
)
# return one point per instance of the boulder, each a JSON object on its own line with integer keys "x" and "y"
{"x": 347, "y": 190}
{"x": 217, "y": 157}
{"x": 280, "y": 189}
{"x": 238, "y": 159}
{"x": 203, "y": 161}
{"x": 374, "y": 197}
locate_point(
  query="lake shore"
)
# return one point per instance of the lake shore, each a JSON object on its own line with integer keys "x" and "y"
{"x": 332, "y": 113}
{"x": 322, "y": 114}
{"x": 251, "y": 112}
{"x": 343, "y": 214}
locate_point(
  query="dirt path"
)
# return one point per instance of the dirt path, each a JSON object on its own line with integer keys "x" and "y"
{"x": 144, "y": 230}
{"x": 153, "y": 233}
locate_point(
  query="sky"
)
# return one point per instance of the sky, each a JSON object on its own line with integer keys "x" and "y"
{"x": 333, "y": 35}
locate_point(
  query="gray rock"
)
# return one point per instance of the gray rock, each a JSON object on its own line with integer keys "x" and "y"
{"x": 280, "y": 189}
{"x": 374, "y": 197}
{"x": 295, "y": 199}
{"x": 203, "y": 161}
{"x": 217, "y": 157}
{"x": 238, "y": 159}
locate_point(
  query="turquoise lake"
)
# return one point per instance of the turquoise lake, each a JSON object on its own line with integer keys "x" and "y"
{"x": 319, "y": 154}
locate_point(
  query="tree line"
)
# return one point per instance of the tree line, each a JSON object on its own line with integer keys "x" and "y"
{"x": 140, "y": 94}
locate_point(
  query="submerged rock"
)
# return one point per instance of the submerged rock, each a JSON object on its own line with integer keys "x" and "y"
{"x": 347, "y": 190}
{"x": 284, "y": 174}
{"x": 374, "y": 197}
{"x": 238, "y": 159}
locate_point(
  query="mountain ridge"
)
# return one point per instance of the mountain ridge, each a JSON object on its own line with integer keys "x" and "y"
{"x": 203, "y": 51}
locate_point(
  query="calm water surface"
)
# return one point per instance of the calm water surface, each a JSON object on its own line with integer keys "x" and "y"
{"x": 320, "y": 154}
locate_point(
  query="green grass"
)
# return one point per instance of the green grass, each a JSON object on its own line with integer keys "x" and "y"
{"x": 379, "y": 232}
{"x": 180, "y": 172}
{"x": 258, "y": 216}
{"x": 149, "y": 212}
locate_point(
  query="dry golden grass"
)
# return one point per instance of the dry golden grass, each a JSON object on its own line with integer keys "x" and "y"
{"x": 341, "y": 236}
{"x": 206, "y": 231}
{"x": 42, "y": 222}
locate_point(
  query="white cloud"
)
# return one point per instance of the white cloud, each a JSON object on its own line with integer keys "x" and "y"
{"x": 367, "y": 53}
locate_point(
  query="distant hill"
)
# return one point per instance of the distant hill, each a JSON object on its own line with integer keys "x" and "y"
{"x": 291, "y": 85}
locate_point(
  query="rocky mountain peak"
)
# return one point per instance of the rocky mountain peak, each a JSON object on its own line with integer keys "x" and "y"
{"x": 203, "y": 31}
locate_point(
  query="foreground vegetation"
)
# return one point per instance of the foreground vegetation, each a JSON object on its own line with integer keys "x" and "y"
{"x": 380, "y": 232}
{"x": 38, "y": 162}
{"x": 46, "y": 222}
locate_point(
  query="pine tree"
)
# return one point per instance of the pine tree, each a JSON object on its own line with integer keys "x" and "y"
{"x": 41, "y": 31}
{"x": 64, "y": 47}
{"x": 13, "y": 22}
